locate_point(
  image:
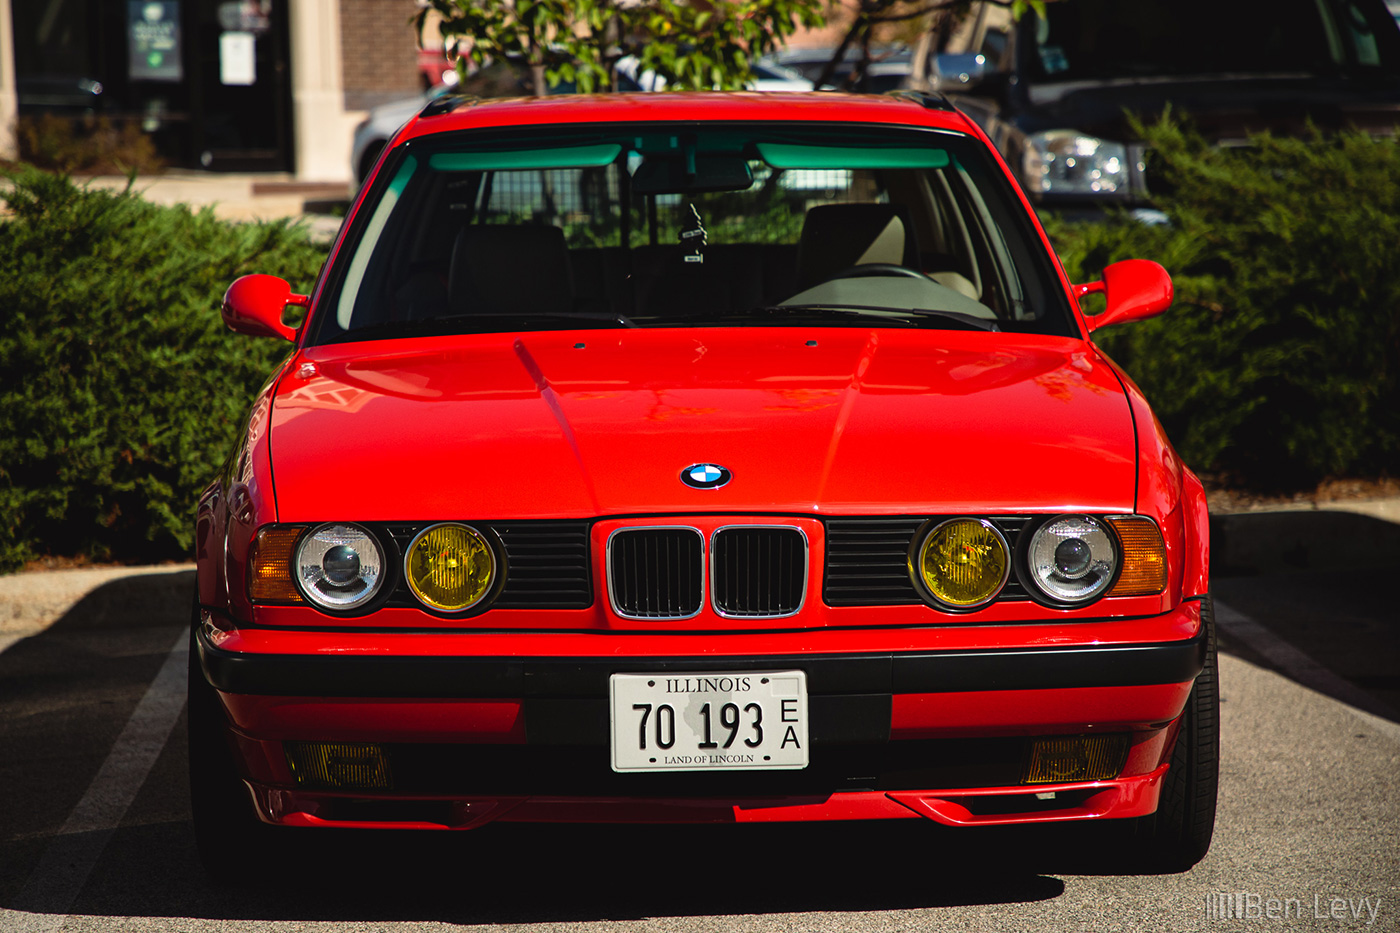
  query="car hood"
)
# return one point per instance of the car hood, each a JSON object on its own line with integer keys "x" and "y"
{"x": 586, "y": 423}
{"x": 1222, "y": 107}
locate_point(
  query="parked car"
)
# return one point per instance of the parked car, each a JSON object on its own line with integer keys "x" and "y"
{"x": 699, "y": 458}
{"x": 1056, "y": 94}
{"x": 767, "y": 76}
{"x": 373, "y": 133}
{"x": 888, "y": 69}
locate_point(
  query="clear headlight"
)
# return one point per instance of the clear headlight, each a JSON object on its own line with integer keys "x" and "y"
{"x": 339, "y": 566}
{"x": 1072, "y": 559}
{"x": 1067, "y": 162}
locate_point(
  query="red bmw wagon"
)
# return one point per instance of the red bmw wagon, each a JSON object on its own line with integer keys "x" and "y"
{"x": 700, "y": 458}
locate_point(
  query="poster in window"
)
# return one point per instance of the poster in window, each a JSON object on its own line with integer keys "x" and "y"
{"x": 238, "y": 63}
{"x": 153, "y": 40}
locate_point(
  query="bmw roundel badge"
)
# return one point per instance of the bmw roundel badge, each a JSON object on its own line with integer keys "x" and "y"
{"x": 705, "y": 476}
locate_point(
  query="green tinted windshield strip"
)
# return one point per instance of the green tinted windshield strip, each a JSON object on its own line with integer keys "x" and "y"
{"x": 790, "y": 156}
{"x": 355, "y": 276}
{"x": 594, "y": 156}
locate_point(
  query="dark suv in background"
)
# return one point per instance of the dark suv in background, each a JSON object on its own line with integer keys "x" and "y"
{"x": 1055, "y": 92}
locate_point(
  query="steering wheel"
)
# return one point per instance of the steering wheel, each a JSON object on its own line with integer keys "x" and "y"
{"x": 873, "y": 269}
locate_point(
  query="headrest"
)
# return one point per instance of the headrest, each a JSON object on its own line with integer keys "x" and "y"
{"x": 838, "y": 236}
{"x": 498, "y": 269}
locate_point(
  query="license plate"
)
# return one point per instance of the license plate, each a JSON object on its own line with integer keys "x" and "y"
{"x": 709, "y": 721}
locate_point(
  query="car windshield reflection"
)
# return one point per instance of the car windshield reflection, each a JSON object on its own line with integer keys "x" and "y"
{"x": 655, "y": 226}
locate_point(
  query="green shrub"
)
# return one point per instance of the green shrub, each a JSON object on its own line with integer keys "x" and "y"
{"x": 120, "y": 389}
{"x": 1279, "y": 363}
{"x": 86, "y": 144}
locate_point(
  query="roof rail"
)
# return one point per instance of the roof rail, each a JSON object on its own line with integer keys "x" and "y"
{"x": 446, "y": 104}
{"x": 929, "y": 100}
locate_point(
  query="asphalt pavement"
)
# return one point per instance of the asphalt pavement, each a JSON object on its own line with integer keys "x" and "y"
{"x": 95, "y": 834}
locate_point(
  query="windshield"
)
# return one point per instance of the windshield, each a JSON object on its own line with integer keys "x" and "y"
{"x": 653, "y": 225}
{"x": 1106, "y": 39}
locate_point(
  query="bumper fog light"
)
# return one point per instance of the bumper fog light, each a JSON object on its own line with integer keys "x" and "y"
{"x": 1068, "y": 759}
{"x": 338, "y": 764}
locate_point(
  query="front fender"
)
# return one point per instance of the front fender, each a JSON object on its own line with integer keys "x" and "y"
{"x": 232, "y": 509}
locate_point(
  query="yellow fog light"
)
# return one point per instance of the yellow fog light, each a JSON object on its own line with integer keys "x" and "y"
{"x": 1144, "y": 558}
{"x": 450, "y": 567}
{"x": 338, "y": 764}
{"x": 962, "y": 563}
{"x": 1076, "y": 758}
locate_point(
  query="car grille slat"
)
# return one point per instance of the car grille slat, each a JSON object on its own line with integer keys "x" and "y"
{"x": 867, "y": 560}
{"x": 656, "y": 573}
{"x": 759, "y": 572}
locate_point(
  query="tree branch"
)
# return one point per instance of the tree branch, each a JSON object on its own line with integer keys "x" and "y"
{"x": 931, "y": 8}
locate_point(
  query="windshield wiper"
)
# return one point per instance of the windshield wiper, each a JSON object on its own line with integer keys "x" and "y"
{"x": 897, "y": 314}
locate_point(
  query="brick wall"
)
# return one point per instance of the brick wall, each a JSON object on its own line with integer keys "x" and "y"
{"x": 378, "y": 52}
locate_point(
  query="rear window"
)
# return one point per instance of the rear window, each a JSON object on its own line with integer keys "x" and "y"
{"x": 655, "y": 225}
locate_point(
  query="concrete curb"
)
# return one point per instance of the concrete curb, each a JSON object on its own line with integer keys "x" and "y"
{"x": 31, "y": 602}
{"x": 1343, "y": 536}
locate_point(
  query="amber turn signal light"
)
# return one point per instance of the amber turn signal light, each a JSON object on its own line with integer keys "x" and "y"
{"x": 1144, "y": 558}
{"x": 270, "y": 566}
{"x": 1067, "y": 759}
{"x": 353, "y": 766}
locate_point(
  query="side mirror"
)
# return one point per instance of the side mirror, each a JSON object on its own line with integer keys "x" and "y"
{"x": 254, "y": 304}
{"x": 1134, "y": 288}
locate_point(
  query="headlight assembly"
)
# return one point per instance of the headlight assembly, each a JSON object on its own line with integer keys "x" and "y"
{"x": 962, "y": 563}
{"x": 1067, "y": 162}
{"x": 339, "y": 567}
{"x": 1072, "y": 559}
{"x": 451, "y": 567}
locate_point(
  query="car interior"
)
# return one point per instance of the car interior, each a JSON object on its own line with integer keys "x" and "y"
{"x": 668, "y": 231}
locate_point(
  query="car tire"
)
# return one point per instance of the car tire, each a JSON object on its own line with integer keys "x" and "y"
{"x": 230, "y": 839}
{"x": 1178, "y": 835}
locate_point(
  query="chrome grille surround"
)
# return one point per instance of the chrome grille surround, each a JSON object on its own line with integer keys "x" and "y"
{"x": 656, "y": 572}
{"x": 776, "y": 576}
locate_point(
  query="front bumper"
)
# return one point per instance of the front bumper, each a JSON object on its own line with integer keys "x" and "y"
{"x": 895, "y": 734}
{"x": 995, "y": 806}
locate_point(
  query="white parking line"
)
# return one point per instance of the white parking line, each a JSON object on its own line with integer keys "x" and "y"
{"x": 58, "y": 879}
{"x": 1305, "y": 670}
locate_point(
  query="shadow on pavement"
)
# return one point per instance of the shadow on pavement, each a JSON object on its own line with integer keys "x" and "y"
{"x": 508, "y": 874}
{"x": 65, "y": 696}
{"x": 1319, "y": 582}
{"x": 1263, "y": 543}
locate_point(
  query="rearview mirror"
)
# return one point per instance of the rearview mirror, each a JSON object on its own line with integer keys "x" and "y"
{"x": 671, "y": 175}
{"x": 254, "y": 304}
{"x": 1134, "y": 289}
